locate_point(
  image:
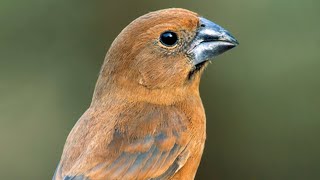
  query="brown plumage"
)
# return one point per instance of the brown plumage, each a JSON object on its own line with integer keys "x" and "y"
{"x": 146, "y": 119}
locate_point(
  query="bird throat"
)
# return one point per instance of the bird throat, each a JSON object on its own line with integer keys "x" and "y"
{"x": 197, "y": 69}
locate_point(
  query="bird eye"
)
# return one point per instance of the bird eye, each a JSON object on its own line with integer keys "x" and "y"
{"x": 168, "y": 38}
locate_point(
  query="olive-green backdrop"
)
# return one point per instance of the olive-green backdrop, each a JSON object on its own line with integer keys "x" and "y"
{"x": 262, "y": 98}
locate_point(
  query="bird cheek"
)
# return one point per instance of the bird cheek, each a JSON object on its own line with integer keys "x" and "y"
{"x": 159, "y": 71}
{"x": 151, "y": 77}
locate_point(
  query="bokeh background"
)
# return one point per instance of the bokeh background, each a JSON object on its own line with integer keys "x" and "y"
{"x": 262, "y": 98}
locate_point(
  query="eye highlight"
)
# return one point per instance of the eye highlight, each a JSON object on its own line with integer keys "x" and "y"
{"x": 169, "y": 38}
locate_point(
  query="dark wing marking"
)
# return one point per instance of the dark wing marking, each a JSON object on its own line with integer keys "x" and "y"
{"x": 153, "y": 147}
{"x": 144, "y": 158}
{"x": 75, "y": 178}
{"x": 180, "y": 161}
{"x": 155, "y": 153}
{"x": 137, "y": 153}
{"x": 57, "y": 174}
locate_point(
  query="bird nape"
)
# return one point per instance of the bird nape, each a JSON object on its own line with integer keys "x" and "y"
{"x": 146, "y": 119}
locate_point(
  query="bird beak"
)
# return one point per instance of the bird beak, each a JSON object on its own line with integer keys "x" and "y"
{"x": 210, "y": 41}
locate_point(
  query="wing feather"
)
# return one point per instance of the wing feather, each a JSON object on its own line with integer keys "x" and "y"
{"x": 149, "y": 147}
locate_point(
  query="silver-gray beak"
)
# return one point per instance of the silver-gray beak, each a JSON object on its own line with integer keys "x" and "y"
{"x": 210, "y": 41}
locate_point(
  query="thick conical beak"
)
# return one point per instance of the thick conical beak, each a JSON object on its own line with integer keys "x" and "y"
{"x": 210, "y": 41}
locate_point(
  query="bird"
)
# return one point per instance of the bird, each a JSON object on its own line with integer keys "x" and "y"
{"x": 146, "y": 119}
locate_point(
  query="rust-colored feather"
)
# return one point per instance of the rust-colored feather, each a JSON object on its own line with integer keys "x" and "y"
{"x": 146, "y": 119}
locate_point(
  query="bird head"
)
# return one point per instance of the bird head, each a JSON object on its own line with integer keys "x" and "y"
{"x": 162, "y": 54}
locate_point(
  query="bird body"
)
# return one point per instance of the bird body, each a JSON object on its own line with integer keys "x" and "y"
{"x": 157, "y": 132}
{"x": 146, "y": 119}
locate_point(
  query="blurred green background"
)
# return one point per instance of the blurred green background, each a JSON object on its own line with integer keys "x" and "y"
{"x": 262, "y": 98}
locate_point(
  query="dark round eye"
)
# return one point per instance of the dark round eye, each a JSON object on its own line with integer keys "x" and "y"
{"x": 168, "y": 38}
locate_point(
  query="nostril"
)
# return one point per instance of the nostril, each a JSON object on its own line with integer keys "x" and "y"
{"x": 203, "y": 25}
